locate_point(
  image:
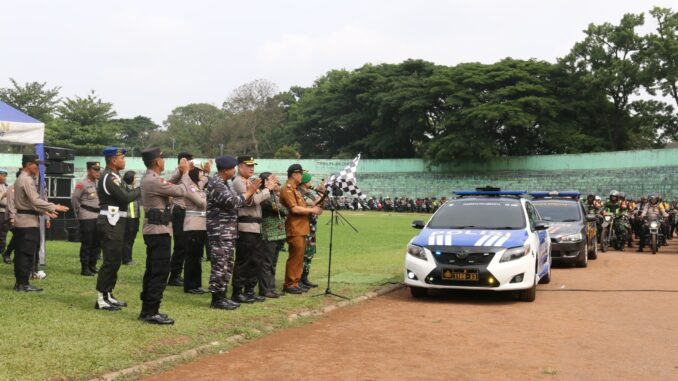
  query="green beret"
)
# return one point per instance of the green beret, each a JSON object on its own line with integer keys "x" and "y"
{"x": 306, "y": 177}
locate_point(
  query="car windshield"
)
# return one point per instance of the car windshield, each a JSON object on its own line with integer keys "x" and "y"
{"x": 558, "y": 211}
{"x": 479, "y": 214}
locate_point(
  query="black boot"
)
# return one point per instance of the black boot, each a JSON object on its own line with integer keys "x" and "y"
{"x": 250, "y": 294}
{"x": 239, "y": 297}
{"x": 175, "y": 280}
{"x": 6, "y": 259}
{"x": 306, "y": 282}
{"x": 220, "y": 302}
{"x": 85, "y": 271}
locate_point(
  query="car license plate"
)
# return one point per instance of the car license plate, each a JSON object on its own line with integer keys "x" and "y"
{"x": 463, "y": 275}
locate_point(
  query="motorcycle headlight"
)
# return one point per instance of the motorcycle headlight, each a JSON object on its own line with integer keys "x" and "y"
{"x": 608, "y": 218}
{"x": 515, "y": 253}
{"x": 571, "y": 238}
{"x": 654, "y": 224}
{"x": 416, "y": 251}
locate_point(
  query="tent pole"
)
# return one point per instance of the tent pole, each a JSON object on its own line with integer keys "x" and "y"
{"x": 40, "y": 151}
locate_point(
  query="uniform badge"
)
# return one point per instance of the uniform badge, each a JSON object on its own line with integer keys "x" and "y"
{"x": 79, "y": 186}
{"x": 116, "y": 182}
{"x": 193, "y": 189}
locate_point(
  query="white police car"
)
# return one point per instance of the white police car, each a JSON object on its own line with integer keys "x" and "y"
{"x": 486, "y": 239}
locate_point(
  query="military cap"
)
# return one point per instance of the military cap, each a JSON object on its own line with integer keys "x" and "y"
{"x": 93, "y": 165}
{"x": 150, "y": 154}
{"x": 114, "y": 151}
{"x": 294, "y": 168}
{"x": 247, "y": 160}
{"x": 225, "y": 162}
{"x": 30, "y": 159}
{"x": 3, "y": 171}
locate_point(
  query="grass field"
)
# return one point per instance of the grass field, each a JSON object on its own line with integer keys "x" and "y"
{"x": 57, "y": 334}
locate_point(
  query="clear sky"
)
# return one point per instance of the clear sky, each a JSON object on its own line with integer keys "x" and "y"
{"x": 148, "y": 57}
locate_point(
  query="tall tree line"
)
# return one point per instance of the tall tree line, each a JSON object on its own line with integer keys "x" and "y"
{"x": 616, "y": 90}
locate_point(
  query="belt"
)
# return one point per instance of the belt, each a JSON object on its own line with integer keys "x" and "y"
{"x": 250, "y": 220}
{"x": 105, "y": 213}
{"x": 196, "y": 213}
{"x": 90, "y": 208}
{"x": 31, "y": 212}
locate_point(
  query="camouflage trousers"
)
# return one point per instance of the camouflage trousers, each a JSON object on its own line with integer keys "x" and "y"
{"x": 309, "y": 253}
{"x": 223, "y": 255}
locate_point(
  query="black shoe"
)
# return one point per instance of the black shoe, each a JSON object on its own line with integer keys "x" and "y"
{"x": 6, "y": 259}
{"x": 281, "y": 294}
{"x": 176, "y": 281}
{"x": 271, "y": 295}
{"x": 112, "y": 300}
{"x": 86, "y": 272}
{"x": 220, "y": 302}
{"x": 293, "y": 290}
{"x": 106, "y": 307}
{"x": 31, "y": 288}
{"x": 196, "y": 291}
{"x": 128, "y": 263}
{"x": 308, "y": 283}
{"x": 303, "y": 287}
{"x": 160, "y": 319}
{"x": 242, "y": 298}
{"x": 257, "y": 298}
{"x": 93, "y": 270}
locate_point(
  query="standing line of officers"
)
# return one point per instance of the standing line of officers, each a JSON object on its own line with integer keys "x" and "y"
{"x": 635, "y": 215}
{"x": 240, "y": 221}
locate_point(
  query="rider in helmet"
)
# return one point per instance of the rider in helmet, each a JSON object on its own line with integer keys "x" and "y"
{"x": 652, "y": 210}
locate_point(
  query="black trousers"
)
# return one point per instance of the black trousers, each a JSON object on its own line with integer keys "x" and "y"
{"x": 195, "y": 248}
{"x": 89, "y": 243}
{"x": 249, "y": 251}
{"x": 4, "y": 228}
{"x": 131, "y": 231}
{"x": 179, "y": 253}
{"x": 111, "y": 237}
{"x": 27, "y": 243}
{"x": 12, "y": 244}
{"x": 158, "y": 248}
{"x": 268, "y": 265}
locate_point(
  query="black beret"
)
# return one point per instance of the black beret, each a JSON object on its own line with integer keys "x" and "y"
{"x": 225, "y": 162}
{"x": 30, "y": 159}
{"x": 150, "y": 154}
{"x": 294, "y": 168}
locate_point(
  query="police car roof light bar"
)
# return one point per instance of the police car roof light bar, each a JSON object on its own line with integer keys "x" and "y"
{"x": 491, "y": 193}
{"x": 572, "y": 194}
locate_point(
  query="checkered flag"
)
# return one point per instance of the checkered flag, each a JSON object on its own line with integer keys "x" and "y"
{"x": 346, "y": 180}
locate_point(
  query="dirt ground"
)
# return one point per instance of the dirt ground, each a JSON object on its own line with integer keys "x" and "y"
{"x": 622, "y": 325}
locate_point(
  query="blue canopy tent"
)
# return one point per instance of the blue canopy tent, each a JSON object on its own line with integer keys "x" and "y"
{"x": 19, "y": 128}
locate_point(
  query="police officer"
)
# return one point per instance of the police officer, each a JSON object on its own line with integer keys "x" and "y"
{"x": 222, "y": 227}
{"x": 132, "y": 226}
{"x": 4, "y": 214}
{"x": 155, "y": 197}
{"x": 28, "y": 209}
{"x": 195, "y": 227}
{"x": 178, "y": 216}
{"x": 85, "y": 203}
{"x": 297, "y": 227}
{"x": 250, "y": 247}
{"x": 113, "y": 201}
{"x": 11, "y": 218}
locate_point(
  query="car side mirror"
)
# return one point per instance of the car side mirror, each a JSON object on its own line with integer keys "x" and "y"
{"x": 541, "y": 225}
{"x": 591, "y": 218}
{"x": 418, "y": 224}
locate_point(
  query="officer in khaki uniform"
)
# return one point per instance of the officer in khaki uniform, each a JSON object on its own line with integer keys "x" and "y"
{"x": 297, "y": 227}
{"x": 4, "y": 214}
{"x": 195, "y": 226}
{"x": 157, "y": 230}
{"x": 28, "y": 209}
{"x": 113, "y": 201}
{"x": 85, "y": 203}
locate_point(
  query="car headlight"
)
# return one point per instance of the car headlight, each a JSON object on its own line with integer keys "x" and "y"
{"x": 653, "y": 224}
{"x": 416, "y": 251}
{"x": 571, "y": 238}
{"x": 515, "y": 253}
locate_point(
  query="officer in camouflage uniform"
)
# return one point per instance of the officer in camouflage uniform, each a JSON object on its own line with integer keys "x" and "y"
{"x": 222, "y": 227}
{"x": 85, "y": 203}
{"x": 311, "y": 198}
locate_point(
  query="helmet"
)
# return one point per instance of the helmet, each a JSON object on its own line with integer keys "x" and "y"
{"x": 591, "y": 196}
{"x": 622, "y": 195}
{"x": 654, "y": 198}
{"x": 614, "y": 194}
{"x": 598, "y": 198}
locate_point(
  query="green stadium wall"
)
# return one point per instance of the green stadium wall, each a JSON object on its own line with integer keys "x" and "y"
{"x": 635, "y": 172}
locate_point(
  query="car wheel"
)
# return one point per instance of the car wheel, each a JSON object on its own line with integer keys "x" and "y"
{"x": 584, "y": 261}
{"x": 418, "y": 292}
{"x": 594, "y": 249}
{"x": 530, "y": 294}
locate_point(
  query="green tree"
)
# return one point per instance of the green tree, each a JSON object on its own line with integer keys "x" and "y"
{"x": 287, "y": 152}
{"x": 662, "y": 53}
{"x": 610, "y": 58}
{"x": 33, "y": 98}
{"x": 198, "y": 128}
{"x": 135, "y": 133}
